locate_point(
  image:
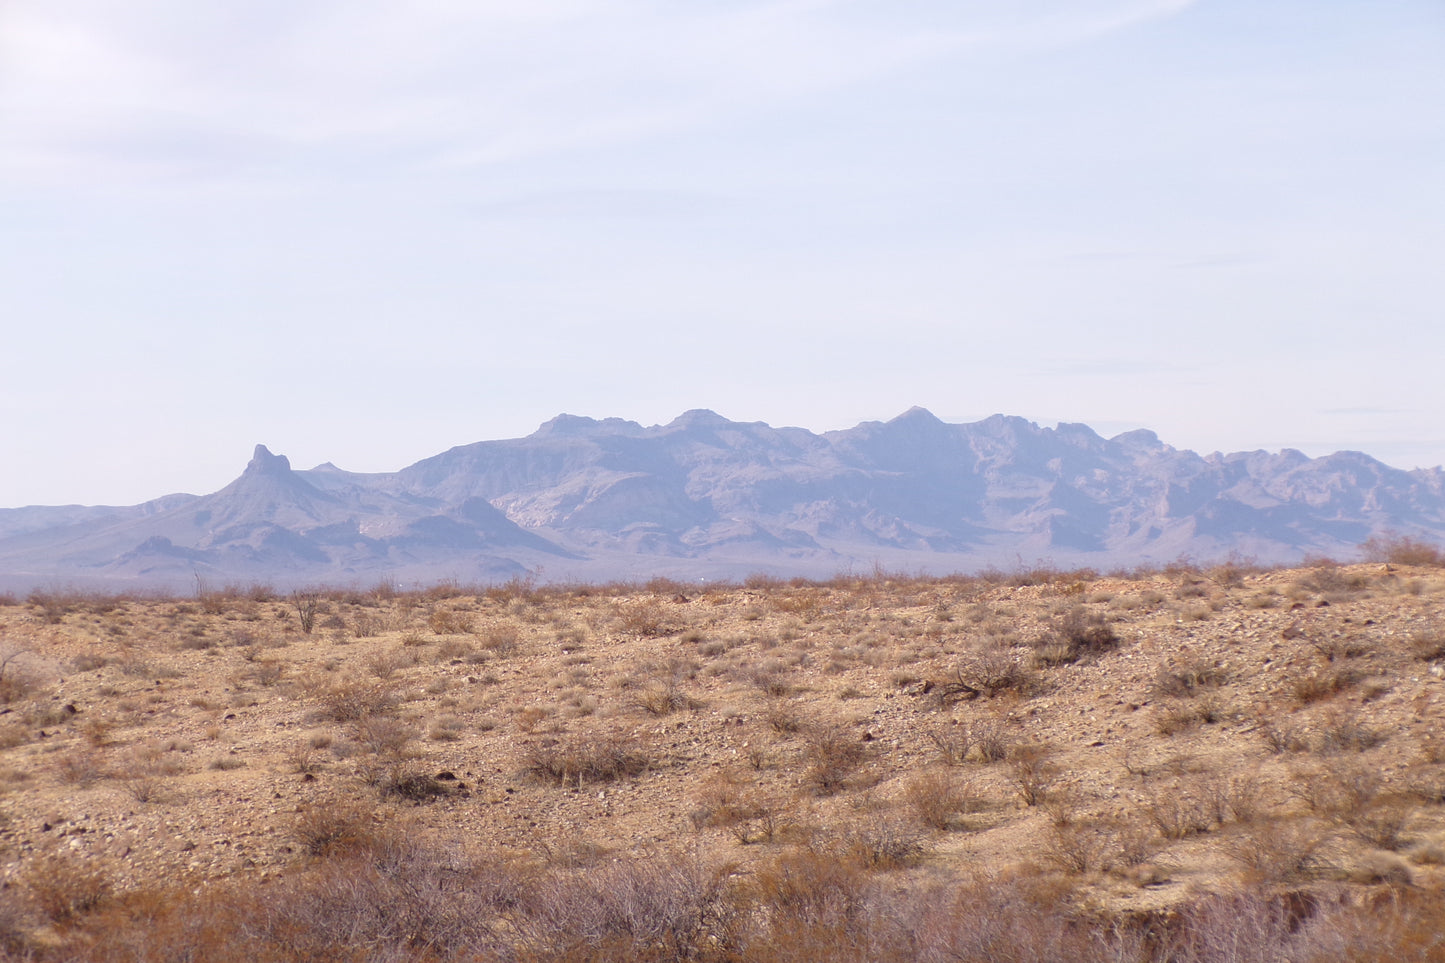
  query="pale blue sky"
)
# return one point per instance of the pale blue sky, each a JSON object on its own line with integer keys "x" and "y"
{"x": 364, "y": 232}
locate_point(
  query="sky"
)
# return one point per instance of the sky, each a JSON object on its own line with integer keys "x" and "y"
{"x": 365, "y": 232}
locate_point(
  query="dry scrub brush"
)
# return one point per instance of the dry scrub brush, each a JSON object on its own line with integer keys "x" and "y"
{"x": 1079, "y": 634}
{"x": 834, "y": 754}
{"x": 937, "y": 798}
{"x": 588, "y": 757}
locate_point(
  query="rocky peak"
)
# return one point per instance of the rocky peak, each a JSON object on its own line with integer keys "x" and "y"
{"x": 264, "y": 463}
{"x": 699, "y": 418}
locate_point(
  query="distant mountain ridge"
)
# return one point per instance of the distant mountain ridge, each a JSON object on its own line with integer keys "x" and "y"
{"x": 705, "y": 497}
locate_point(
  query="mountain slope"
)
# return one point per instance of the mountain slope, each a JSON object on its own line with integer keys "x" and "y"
{"x": 703, "y": 496}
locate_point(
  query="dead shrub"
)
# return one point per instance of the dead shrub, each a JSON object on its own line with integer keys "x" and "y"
{"x": 18, "y": 678}
{"x": 986, "y": 672}
{"x": 1279, "y": 851}
{"x": 140, "y": 775}
{"x": 664, "y": 696}
{"x": 937, "y": 798}
{"x": 503, "y": 639}
{"x": 366, "y": 626}
{"x": 770, "y": 679}
{"x": 1080, "y": 634}
{"x": 582, "y": 758}
{"x": 412, "y": 786}
{"x": 302, "y": 757}
{"x": 1280, "y": 736}
{"x": 1382, "y": 823}
{"x": 55, "y": 606}
{"x": 765, "y": 820}
{"x": 351, "y": 698}
{"x": 1182, "y": 716}
{"x": 814, "y": 892}
{"x": 1188, "y": 678}
{"x": 384, "y": 665}
{"x": 952, "y": 742}
{"x": 649, "y": 910}
{"x": 1184, "y": 809}
{"x": 879, "y": 845}
{"x": 1356, "y": 799}
{"x": 1244, "y": 799}
{"x": 1032, "y": 772}
{"x": 1371, "y": 869}
{"x": 449, "y": 622}
{"x": 89, "y": 662}
{"x": 1322, "y": 683}
{"x": 1397, "y": 549}
{"x": 1334, "y": 794}
{"x": 783, "y": 719}
{"x": 1428, "y": 644}
{"x": 80, "y": 767}
{"x": 64, "y": 888}
{"x": 724, "y": 800}
{"x": 1100, "y": 846}
{"x": 384, "y": 736}
{"x": 833, "y": 754}
{"x": 14, "y": 733}
{"x": 990, "y": 740}
{"x": 646, "y": 619}
{"x": 1341, "y": 731}
{"x": 306, "y": 604}
{"x": 335, "y": 828}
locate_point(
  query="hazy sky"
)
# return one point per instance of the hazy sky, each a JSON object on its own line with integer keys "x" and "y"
{"x": 365, "y": 232}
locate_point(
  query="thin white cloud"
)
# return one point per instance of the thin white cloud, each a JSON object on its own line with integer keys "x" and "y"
{"x": 133, "y": 89}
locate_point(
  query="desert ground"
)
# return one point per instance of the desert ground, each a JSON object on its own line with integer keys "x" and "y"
{"x": 1197, "y": 763}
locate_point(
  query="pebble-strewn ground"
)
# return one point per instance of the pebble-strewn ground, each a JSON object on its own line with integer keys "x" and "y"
{"x": 1144, "y": 739}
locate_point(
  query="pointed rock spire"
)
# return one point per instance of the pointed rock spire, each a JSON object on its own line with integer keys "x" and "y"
{"x": 264, "y": 463}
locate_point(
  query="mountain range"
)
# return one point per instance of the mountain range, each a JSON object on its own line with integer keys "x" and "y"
{"x": 703, "y": 497}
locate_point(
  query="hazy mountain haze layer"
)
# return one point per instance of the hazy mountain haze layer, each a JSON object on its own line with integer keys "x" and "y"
{"x": 703, "y": 497}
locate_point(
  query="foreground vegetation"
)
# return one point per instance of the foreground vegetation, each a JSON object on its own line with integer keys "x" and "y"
{"x": 1178, "y": 765}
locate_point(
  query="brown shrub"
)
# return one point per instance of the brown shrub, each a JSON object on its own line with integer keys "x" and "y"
{"x": 64, "y": 888}
{"x": 502, "y": 639}
{"x": 1324, "y": 682}
{"x": 351, "y": 698}
{"x": 1342, "y": 731}
{"x": 1397, "y": 549}
{"x": 646, "y": 619}
{"x": 384, "y": 736}
{"x": 1095, "y": 846}
{"x": 307, "y": 605}
{"x": 1186, "y": 808}
{"x": 449, "y": 622}
{"x": 1080, "y": 634}
{"x": 1187, "y": 678}
{"x": 18, "y": 678}
{"x": 815, "y": 893}
{"x": 833, "y": 753}
{"x": 664, "y": 695}
{"x": 582, "y": 758}
{"x": 335, "y": 828}
{"x": 987, "y": 672}
{"x": 655, "y": 909}
{"x": 879, "y": 844}
{"x": 79, "y": 767}
{"x": 1182, "y": 715}
{"x": 936, "y": 798}
{"x": 1428, "y": 644}
{"x": 1279, "y": 851}
{"x": 783, "y": 719}
{"x": 1032, "y": 772}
